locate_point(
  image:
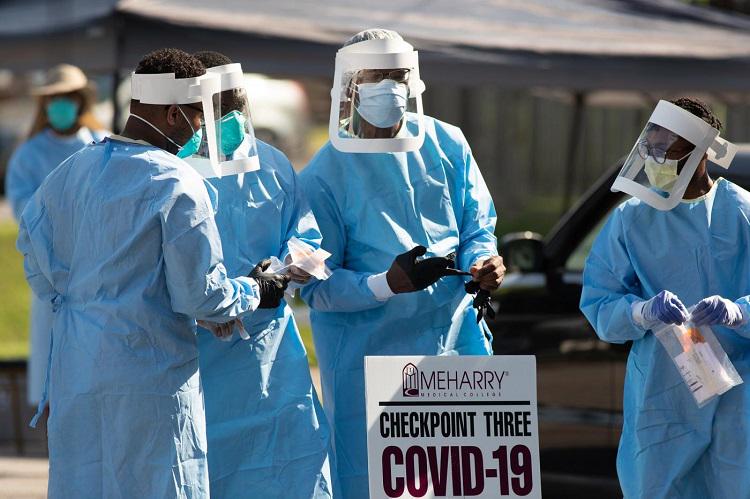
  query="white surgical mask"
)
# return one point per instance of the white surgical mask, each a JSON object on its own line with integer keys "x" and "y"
{"x": 382, "y": 104}
{"x": 662, "y": 176}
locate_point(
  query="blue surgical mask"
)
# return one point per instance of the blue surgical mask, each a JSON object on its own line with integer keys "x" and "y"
{"x": 382, "y": 104}
{"x": 231, "y": 131}
{"x": 62, "y": 113}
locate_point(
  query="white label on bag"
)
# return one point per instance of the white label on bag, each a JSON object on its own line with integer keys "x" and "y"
{"x": 692, "y": 375}
{"x": 702, "y": 372}
{"x": 710, "y": 362}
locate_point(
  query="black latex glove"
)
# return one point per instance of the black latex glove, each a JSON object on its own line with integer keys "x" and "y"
{"x": 454, "y": 271}
{"x": 272, "y": 286}
{"x": 482, "y": 300}
{"x": 408, "y": 274}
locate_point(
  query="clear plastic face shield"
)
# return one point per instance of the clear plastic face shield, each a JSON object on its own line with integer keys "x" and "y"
{"x": 199, "y": 92}
{"x": 666, "y": 155}
{"x": 237, "y": 150}
{"x": 376, "y": 100}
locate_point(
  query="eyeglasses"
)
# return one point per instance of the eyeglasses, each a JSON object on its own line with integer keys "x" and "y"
{"x": 376, "y": 76}
{"x": 658, "y": 153}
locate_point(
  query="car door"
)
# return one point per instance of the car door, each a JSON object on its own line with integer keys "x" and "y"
{"x": 579, "y": 376}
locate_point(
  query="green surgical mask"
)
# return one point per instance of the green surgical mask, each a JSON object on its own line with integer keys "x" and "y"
{"x": 191, "y": 146}
{"x": 188, "y": 148}
{"x": 62, "y": 113}
{"x": 232, "y": 131}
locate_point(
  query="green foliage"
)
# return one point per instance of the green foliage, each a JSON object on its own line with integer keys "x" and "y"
{"x": 538, "y": 215}
{"x": 15, "y": 297}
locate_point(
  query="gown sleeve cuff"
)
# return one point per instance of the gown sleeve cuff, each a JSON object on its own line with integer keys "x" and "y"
{"x": 636, "y": 309}
{"x": 251, "y": 291}
{"x": 378, "y": 284}
{"x": 743, "y": 306}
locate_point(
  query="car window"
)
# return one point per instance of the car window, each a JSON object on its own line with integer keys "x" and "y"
{"x": 739, "y": 173}
{"x": 577, "y": 258}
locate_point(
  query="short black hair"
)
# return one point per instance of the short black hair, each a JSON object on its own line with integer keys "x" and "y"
{"x": 700, "y": 109}
{"x": 231, "y": 100}
{"x": 176, "y": 61}
{"x": 211, "y": 59}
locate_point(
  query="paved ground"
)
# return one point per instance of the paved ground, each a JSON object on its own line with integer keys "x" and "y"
{"x": 23, "y": 478}
{"x": 26, "y": 477}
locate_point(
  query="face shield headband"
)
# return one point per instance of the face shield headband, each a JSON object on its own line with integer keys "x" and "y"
{"x": 165, "y": 89}
{"x": 666, "y": 126}
{"x": 393, "y": 98}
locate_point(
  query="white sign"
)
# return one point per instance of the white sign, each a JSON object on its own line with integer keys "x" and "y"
{"x": 452, "y": 426}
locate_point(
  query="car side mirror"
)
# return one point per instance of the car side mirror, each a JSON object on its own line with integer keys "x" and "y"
{"x": 522, "y": 252}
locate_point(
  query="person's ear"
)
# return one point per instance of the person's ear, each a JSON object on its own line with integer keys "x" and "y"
{"x": 172, "y": 115}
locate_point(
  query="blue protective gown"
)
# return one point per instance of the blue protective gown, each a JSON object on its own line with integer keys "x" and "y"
{"x": 669, "y": 446}
{"x": 121, "y": 238}
{"x": 370, "y": 208}
{"x": 266, "y": 429}
{"x": 27, "y": 168}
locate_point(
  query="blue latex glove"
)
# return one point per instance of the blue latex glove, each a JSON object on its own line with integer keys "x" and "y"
{"x": 665, "y": 307}
{"x": 717, "y": 311}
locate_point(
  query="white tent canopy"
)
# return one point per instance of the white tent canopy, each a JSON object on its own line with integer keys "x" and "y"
{"x": 581, "y": 44}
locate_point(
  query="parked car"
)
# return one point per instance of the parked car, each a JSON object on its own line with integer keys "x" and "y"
{"x": 580, "y": 378}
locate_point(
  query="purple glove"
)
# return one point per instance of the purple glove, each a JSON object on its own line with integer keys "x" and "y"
{"x": 665, "y": 307}
{"x": 717, "y": 311}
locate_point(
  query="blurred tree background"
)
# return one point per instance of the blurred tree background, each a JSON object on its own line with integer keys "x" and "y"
{"x": 742, "y": 6}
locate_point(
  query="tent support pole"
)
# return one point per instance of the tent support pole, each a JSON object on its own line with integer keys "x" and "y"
{"x": 574, "y": 140}
{"x": 117, "y": 74}
{"x": 116, "y": 111}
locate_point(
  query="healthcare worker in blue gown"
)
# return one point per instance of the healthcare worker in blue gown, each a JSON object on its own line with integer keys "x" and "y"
{"x": 379, "y": 213}
{"x": 121, "y": 239}
{"x": 63, "y": 125}
{"x": 267, "y": 434}
{"x": 647, "y": 267}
